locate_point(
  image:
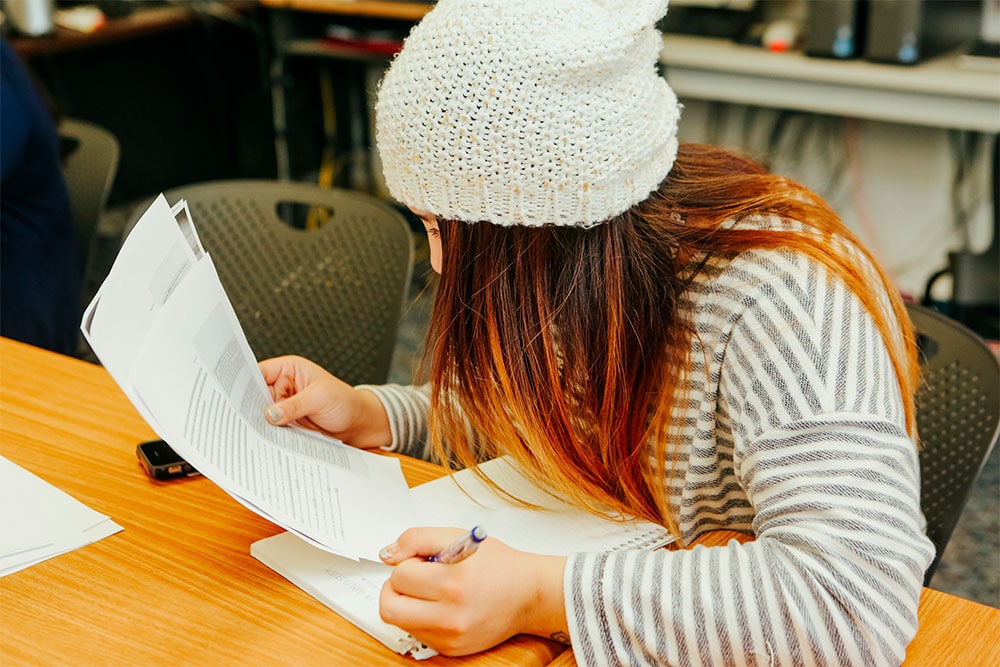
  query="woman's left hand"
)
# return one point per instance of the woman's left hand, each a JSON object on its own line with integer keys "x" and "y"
{"x": 474, "y": 604}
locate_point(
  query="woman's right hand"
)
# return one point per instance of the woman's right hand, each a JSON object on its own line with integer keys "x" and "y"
{"x": 305, "y": 393}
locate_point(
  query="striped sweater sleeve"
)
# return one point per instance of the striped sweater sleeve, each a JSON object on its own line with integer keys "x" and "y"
{"x": 802, "y": 394}
{"x": 407, "y": 408}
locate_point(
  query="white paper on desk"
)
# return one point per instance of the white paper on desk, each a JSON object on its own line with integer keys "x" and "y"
{"x": 349, "y": 588}
{"x": 39, "y": 521}
{"x": 192, "y": 375}
{"x": 352, "y": 589}
{"x": 556, "y": 528}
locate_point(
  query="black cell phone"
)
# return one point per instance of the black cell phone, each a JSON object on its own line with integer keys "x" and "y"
{"x": 162, "y": 462}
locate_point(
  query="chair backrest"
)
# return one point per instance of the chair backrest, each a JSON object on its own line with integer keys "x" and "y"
{"x": 958, "y": 418}
{"x": 90, "y": 162}
{"x": 333, "y": 294}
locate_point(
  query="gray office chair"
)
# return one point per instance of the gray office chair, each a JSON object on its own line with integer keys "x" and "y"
{"x": 333, "y": 294}
{"x": 958, "y": 418}
{"x": 90, "y": 162}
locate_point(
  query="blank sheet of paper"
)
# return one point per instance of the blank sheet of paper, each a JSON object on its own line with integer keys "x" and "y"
{"x": 39, "y": 521}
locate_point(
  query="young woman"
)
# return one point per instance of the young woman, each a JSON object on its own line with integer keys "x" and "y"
{"x": 665, "y": 330}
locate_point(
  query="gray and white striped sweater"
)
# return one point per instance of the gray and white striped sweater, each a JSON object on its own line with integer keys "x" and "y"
{"x": 792, "y": 430}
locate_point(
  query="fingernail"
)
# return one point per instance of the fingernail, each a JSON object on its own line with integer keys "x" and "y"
{"x": 388, "y": 552}
{"x": 274, "y": 414}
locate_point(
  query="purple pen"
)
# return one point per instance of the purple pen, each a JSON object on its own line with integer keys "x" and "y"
{"x": 461, "y": 548}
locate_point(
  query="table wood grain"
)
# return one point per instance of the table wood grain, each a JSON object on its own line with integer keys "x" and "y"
{"x": 178, "y": 584}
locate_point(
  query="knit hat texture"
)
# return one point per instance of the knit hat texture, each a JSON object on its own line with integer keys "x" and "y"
{"x": 528, "y": 112}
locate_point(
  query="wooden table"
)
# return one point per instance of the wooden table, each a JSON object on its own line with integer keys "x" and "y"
{"x": 178, "y": 585}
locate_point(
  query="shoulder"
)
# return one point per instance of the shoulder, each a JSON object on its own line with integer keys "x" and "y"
{"x": 779, "y": 283}
{"x": 788, "y": 334}
{"x": 788, "y": 282}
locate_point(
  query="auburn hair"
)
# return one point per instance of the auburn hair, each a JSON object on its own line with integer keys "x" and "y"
{"x": 564, "y": 347}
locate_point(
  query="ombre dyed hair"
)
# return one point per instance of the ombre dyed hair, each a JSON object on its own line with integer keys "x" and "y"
{"x": 563, "y": 347}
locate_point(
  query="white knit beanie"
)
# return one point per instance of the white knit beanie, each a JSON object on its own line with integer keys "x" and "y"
{"x": 528, "y": 112}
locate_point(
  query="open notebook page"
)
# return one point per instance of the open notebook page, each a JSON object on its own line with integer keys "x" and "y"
{"x": 555, "y": 528}
{"x": 352, "y": 589}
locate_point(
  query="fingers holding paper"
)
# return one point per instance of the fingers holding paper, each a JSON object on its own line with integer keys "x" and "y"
{"x": 307, "y": 394}
{"x": 469, "y": 606}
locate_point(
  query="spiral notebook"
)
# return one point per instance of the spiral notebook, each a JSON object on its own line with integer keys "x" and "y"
{"x": 552, "y": 527}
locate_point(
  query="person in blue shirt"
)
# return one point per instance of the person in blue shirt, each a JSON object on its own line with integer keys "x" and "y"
{"x": 39, "y": 259}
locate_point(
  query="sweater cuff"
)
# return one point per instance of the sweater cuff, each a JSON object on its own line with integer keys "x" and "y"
{"x": 406, "y": 408}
